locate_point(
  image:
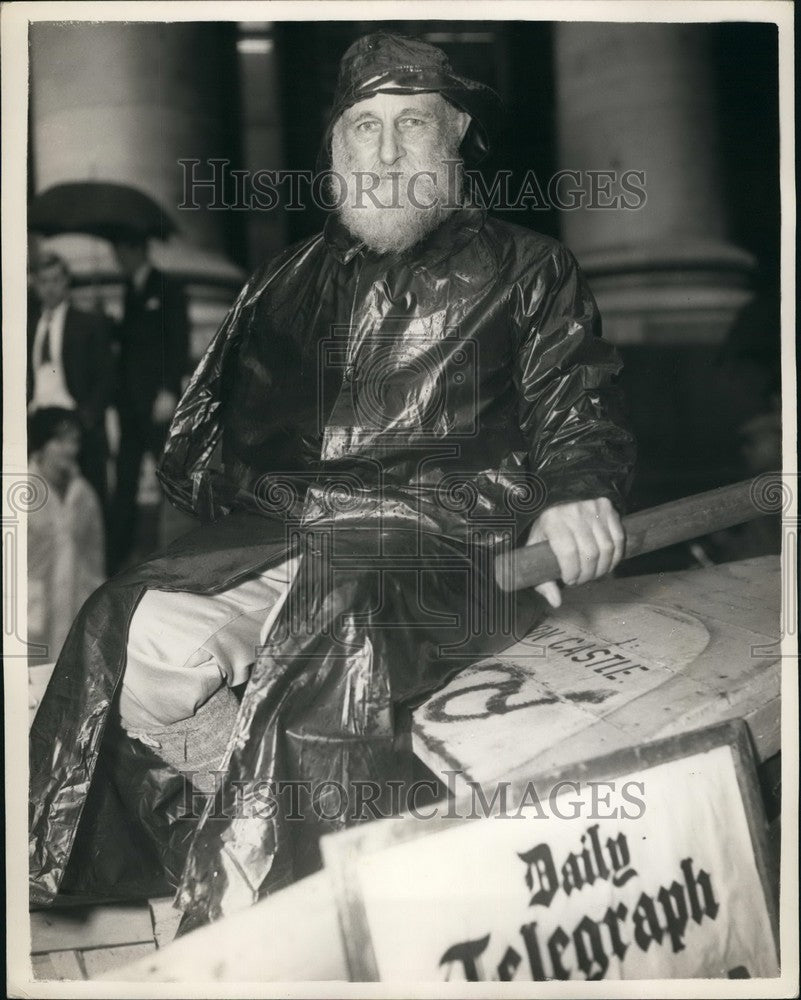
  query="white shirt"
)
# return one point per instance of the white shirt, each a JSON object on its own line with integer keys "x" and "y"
{"x": 141, "y": 275}
{"x": 49, "y": 382}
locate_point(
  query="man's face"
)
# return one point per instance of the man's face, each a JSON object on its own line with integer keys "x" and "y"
{"x": 398, "y": 154}
{"x": 51, "y": 284}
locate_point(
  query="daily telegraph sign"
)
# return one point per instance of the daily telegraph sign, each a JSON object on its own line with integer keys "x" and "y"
{"x": 663, "y": 918}
{"x": 678, "y": 889}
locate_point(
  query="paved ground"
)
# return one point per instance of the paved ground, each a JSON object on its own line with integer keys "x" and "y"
{"x": 85, "y": 942}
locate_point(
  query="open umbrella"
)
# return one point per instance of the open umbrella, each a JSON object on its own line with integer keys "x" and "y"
{"x": 100, "y": 208}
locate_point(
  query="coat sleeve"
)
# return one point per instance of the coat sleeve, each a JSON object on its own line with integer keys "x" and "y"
{"x": 186, "y": 469}
{"x": 570, "y": 409}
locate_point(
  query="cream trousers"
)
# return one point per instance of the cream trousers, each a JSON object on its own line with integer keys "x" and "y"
{"x": 182, "y": 648}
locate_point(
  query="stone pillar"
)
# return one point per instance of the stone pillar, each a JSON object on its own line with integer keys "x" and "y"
{"x": 641, "y": 97}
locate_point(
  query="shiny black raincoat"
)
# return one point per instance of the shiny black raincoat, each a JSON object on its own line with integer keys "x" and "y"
{"x": 392, "y": 419}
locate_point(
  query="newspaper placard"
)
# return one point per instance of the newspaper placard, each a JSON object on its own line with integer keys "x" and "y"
{"x": 655, "y": 870}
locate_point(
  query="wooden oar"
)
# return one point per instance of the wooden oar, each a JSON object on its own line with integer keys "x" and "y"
{"x": 646, "y": 531}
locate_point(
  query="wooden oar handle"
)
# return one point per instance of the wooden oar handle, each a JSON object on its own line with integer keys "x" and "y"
{"x": 646, "y": 531}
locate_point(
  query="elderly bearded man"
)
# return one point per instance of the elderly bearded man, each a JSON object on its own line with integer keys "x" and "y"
{"x": 383, "y": 403}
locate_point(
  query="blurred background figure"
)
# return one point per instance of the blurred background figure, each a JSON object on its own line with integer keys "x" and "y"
{"x": 65, "y": 536}
{"x": 70, "y": 365}
{"x": 153, "y": 338}
{"x": 750, "y": 366}
{"x": 750, "y": 361}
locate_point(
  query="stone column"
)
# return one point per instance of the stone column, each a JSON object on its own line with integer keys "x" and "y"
{"x": 641, "y": 97}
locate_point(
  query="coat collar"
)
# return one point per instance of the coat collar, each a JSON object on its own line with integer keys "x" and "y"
{"x": 456, "y": 232}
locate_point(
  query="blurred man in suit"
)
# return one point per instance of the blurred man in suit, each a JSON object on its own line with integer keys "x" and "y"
{"x": 70, "y": 364}
{"x": 153, "y": 360}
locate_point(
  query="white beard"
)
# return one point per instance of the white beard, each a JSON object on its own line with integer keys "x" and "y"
{"x": 396, "y": 223}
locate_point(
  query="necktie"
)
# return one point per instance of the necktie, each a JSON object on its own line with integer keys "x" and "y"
{"x": 47, "y": 357}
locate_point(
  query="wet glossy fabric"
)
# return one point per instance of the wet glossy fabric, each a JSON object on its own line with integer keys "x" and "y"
{"x": 392, "y": 420}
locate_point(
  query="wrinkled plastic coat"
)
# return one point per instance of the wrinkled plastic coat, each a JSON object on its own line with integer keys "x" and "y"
{"x": 391, "y": 419}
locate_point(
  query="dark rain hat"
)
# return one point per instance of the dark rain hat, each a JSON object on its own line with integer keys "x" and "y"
{"x": 394, "y": 64}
